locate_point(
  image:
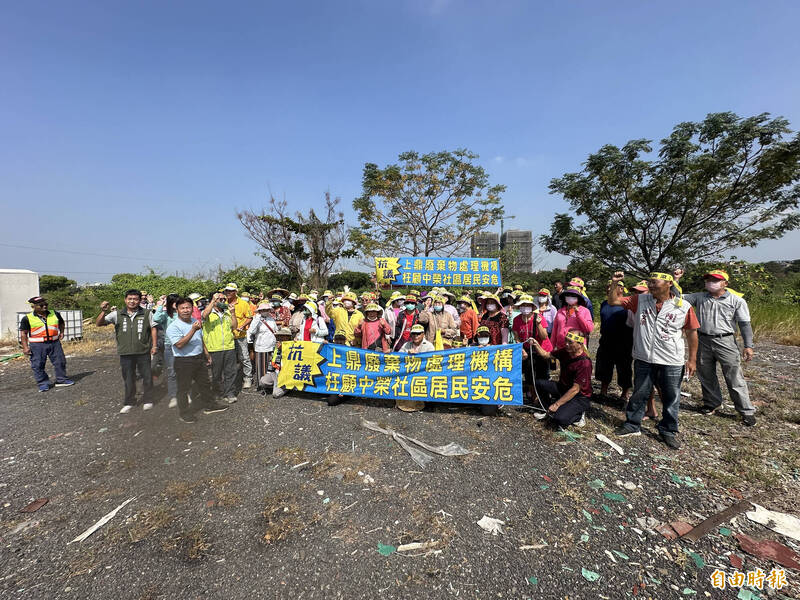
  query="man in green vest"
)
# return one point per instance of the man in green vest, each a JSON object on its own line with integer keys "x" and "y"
{"x": 136, "y": 343}
{"x": 40, "y": 333}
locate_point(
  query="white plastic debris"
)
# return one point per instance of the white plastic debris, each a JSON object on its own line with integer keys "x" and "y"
{"x": 605, "y": 440}
{"x": 419, "y": 457}
{"x": 492, "y": 525}
{"x": 101, "y": 522}
{"x": 782, "y": 523}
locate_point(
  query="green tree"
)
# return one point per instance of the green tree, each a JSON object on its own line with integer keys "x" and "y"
{"x": 53, "y": 283}
{"x": 715, "y": 185}
{"x": 427, "y": 205}
{"x": 306, "y": 246}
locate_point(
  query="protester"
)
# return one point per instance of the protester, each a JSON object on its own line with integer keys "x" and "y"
{"x": 311, "y": 327}
{"x": 191, "y": 362}
{"x": 146, "y": 300}
{"x": 482, "y": 336}
{"x": 615, "y": 348}
{"x": 558, "y": 287}
{"x": 394, "y": 306}
{"x": 719, "y": 311}
{"x": 346, "y": 317}
{"x": 439, "y": 323}
{"x": 373, "y": 333}
{"x": 662, "y": 316}
{"x": 244, "y": 315}
{"x": 219, "y": 323}
{"x": 567, "y": 399}
{"x": 136, "y": 343}
{"x": 495, "y": 319}
{"x": 529, "y": 326}
{"x": 197, "y": 313}
{"x": 546, "y": 308}
{"x": 573, "y": 315}
{"x": 282, "y": 334}
{"x": 165, "y": 314}
{"x": 577, "y": 282}
{"x": 449, "y": 299}
{"x": 41, "y": 332}
{"x": 416, "y": 345}
{"x": 262, "y": 334}
{"x": 468, "y": 320}
{"x": 282, "y": 313}
{"x": 405, "y": 321}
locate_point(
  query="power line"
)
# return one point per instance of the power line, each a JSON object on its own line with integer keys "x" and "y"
{"x": 139, "y": 258}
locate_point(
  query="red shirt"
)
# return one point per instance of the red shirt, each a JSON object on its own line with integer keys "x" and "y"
{"x": 307, "y": 329}
{"x": 575, "y": 370}
{"x": 632, "y": 304}
{"x": 527, "y": 330}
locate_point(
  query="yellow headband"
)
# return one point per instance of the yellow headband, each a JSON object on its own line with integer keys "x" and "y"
{"x": 664, "y": 276}
{"x": 575, "y": 337}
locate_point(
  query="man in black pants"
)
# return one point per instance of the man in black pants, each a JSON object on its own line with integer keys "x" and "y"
{"x": 568, "y": 398}
{"x": 191, "y": 366}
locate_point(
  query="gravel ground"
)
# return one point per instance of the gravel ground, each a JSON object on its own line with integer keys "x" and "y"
{"x": 225, "y": 508}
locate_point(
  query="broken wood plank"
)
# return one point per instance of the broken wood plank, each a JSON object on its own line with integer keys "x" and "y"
{"x": 718, "y": 519}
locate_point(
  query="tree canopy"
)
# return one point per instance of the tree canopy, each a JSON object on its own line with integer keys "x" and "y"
{"x": 716, "y": 185}
{"x": 427, "y": 205}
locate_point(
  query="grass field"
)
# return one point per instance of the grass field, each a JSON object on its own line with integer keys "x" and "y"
{"x": 776, "y": 321}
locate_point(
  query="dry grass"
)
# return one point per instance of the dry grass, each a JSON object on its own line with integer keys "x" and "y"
{"x": 576, "y": 466}
{"x": 285, "y": 517}
{"x": 192, "y": 543}
{"x": 94, "y": 339}
{"x": 150, "y": 521}
{"x": 291, "y": 455}
{"x": 346, "y": 464}
{"x": 180, "y": 490}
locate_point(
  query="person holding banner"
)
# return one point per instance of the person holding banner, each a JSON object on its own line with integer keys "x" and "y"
{"x": 416, "y": 345}
{"x": 573, "y": 315}
{"x": 262, "y": 333}
{"x": 438, "y": 324}
{"x": 568, "y": 398}
{"x": 529, "y": 326}
{"x": 495, "y": 319}
{"x": 373, "y": 333}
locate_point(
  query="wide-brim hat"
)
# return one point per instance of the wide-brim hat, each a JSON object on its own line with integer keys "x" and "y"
{"x": 417, "y": 328}
{"x": 411, "y": 298}
{"x": 465, "y": 299}
{"x": 543, "y": 292}
{"x": 311, "y": 307}
{"x": 525, "y": 299}
{"x": 327, "y": 293}
{"x": 264, "y": 306}
{"x": 372, "y": 307}
{"x": 641, "y": 286}
{"x": 283, "y": 293}
{"x": 194, "y": 296}
{"x": 231, "y": 287}
{"x": 576, "y": 282}
{"x": 573, "y": 291}
{"x": 482, "y": 329}
{"x": 450, "y": 295}
{"x": 276, "y": 297}
{"x": 490, "y": 296}
{"x": 349, "y": 296}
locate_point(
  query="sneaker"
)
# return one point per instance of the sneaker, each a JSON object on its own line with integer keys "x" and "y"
{"x": 65, "y": 383}
{"x": 147, "y": 406}
{"x": 749, "y": 420}
{"x": 188, "y": 418}
{"x": 173, "y": 403}
{"x": 335, "y": 399}
{"x": 125, "y": 409}
{"x": 231, "y": 400}
{"x": 707, "y": 410}
{"x": 670, "y": 440}
{"x": 214, "y": 408}
{"x": 188, "y": 397}
{"x": 581, "y": 422}
{"x": 246, "y": 384}
{"x": 43, "y": 387}
{"x": 626, "y": 430}
{"x": 540, "y": 416}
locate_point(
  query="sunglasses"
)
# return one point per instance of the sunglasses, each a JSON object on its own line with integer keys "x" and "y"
{"x": 41, "y": 304}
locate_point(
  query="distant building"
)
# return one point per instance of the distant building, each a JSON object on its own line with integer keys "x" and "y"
{"x": 484, "y": 244}
{"x": 16, "y": 287}
{"x": 518, "y": 246}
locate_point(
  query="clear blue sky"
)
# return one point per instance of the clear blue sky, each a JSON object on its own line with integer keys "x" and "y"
{"x": 139, "y": 128}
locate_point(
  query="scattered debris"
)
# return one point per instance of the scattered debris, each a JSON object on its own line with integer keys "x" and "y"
{"x": 674, "y": 530}
{"x": 725, "y": 531}
{"x": 716, "y": 520}
{"x": 533, "y": 580}
{"x": 302, "y": 464}
{"x": 605, "y": 440}
{"x": 687, "y": 481}
{"x": 35, "y": 505}
{"x": 492, "y": 525}
{"x": 698, "y": 560}
{"x": 647, "y": 522}
{"x": 596, "y": 484}
{"x": 629, "y": 485}
{"x": 571, "y": 437}
{"x": 368, "y": 479}
{"x": 533, "y": 546}
{"x": 385, "y": 549}
{"x": 614, "y": 497}
{"x": 418, "y": 546}
{"x": 589, "y": 575}
{"x": 782, "y": 523}
{"x": 770, "y": 550}
{"x": 419, "y": 457}
{"x": 101, "y": 522}
{"x": 737, "y": 562}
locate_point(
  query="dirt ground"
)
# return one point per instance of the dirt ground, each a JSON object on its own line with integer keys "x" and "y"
{"x": 291, "y": 498}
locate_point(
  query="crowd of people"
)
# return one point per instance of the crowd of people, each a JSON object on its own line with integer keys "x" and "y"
{"x": 211, "y": 349}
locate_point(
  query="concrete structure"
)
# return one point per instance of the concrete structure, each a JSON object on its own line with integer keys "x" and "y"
{"x": 484, "y": 244}
{"x": 519, "y": 247}
{"x": 16, "y": 287}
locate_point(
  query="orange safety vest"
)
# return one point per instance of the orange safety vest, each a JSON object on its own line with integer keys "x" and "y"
{"x": 43, "y": 331}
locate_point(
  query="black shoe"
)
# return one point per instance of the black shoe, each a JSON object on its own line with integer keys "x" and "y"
{"x": 189, "y": 418}
{"x": 670, "y": 440}
{"x": 626, "y": 430}
{"x": 749, "y": 420}
{"x": 707, "y": 410}
{"x": 335, "y": 399}
{"x": 214, "y": 408}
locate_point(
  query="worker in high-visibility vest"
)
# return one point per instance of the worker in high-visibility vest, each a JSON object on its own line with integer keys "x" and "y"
{"x": 41, "y": 331}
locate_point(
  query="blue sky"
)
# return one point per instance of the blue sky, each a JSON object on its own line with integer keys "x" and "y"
{"x": 138, "y": 129}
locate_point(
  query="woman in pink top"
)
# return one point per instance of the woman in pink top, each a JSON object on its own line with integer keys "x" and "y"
{"x": 573, "y": 314}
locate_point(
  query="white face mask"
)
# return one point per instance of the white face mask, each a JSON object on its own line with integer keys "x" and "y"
{"x": 491, "y": 307}
{"x": 542, "y": 300}
{"x": 713, "y": 286}
{"x": 571, "y": 300}
{"x": 483, "y": 341}
{"x": 348, "y": 304}
{"x": 526, "y": 310}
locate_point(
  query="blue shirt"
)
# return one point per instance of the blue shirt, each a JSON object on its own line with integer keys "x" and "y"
{"x": 179, "y": 328}
{"x": 612, "y": 319}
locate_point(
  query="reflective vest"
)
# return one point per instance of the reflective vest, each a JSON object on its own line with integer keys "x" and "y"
{"x": 217, "y": 331}
{"x": 658, "y": 337}
{"x": 43, "y": 331}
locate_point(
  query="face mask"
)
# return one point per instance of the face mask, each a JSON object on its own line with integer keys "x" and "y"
{"x": 713, "y": 286}
{"x": 410, "y": 307}
{"x": 276, "y": 304}
{"x": 526, "y": 310}
{"x": 542, "y": 300}
{"x": 222, "y": 305}
{"x": 245, "y": 298}
{"x": 264, "y": 314}
{"x": 571, "y": 300}
{"x": 461, "y": 309}
{"x": 438, "y": 308}
{"x": 483, "y": 341}
{"x": 348, "y": 304}
{"x": 491, "y": 307}
{"x": 372, "y": 317}
{"x": 306, "y": 314}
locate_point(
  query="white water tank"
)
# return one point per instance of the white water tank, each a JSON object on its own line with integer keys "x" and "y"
{"x": 17, "y": 286}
